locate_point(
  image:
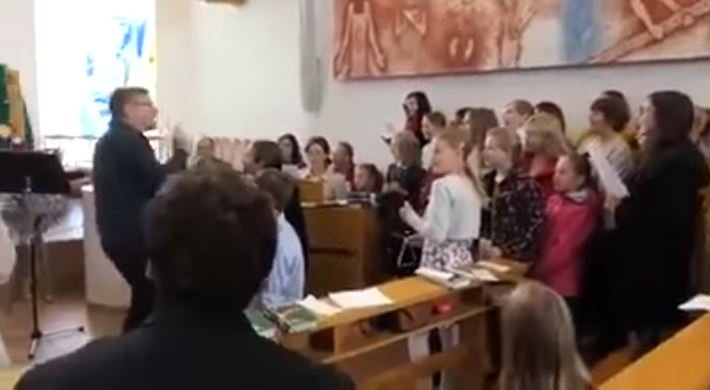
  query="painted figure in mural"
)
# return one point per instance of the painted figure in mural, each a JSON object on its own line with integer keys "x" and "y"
{"x": 517, "y": 15}
{"x": 359, "y": 52}
{"x": 412, "y": 16}
{"x": 463, "y": 43}
{"x": 582, "y": 35}
{"x": 650, "y": 14}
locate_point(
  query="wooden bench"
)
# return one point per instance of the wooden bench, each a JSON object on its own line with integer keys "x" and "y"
{"x": 681, "y": 363}
{"x": 371, "y": 345}
{"x": 344, "y": 250}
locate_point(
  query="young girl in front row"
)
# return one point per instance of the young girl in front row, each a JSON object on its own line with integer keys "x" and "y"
{"x": 572, "y": 214}
{"x": 450, "y": 224}
{"x": 452, "y": 219}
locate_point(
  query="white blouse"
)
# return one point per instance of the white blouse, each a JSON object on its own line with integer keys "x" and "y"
{"x": 453, "y": 213}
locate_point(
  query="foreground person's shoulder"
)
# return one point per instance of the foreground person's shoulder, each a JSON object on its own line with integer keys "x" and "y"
{"x": 326, "y": 378}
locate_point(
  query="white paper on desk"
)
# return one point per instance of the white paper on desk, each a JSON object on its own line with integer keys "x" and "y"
{"x": 698, "y": 303}
{"x": 608, "y": 176}
{"x": 493, "y": 266}
{"x": 318, "y": 307}
{"x": 478, "y": 274}
{"x": 357, "y": 299}
{"x": 483, "y": 275}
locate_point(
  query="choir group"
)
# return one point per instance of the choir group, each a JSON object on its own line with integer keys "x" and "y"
{"x": 606, "y": 263}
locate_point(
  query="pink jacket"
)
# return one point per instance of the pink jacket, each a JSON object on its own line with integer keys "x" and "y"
{"x": 570, "y": 222}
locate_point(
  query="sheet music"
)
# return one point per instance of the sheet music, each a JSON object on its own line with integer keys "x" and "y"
{"x": 608, "y": 177}
{"x": 318, "y": 307}
{"x": 357, "y": 299}
{"x": 698, "y": 303}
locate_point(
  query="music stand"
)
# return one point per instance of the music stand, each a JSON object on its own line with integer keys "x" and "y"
{"x": 28, "y": 173}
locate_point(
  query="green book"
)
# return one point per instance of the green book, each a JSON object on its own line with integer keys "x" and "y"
{"x": 293, "y": 318}
{"x": 262, "y": 326}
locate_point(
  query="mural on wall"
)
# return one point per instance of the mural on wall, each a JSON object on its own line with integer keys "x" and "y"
{"x": 120, "y": 53}
{"x": 386, "y": 38}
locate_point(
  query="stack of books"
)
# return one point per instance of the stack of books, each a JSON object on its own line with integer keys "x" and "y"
{"x": 293, "y": 318}
{"x": 261, "y": 325}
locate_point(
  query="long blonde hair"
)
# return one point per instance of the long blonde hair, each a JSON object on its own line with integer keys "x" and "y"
{"x": 459, "y": 139}
{"x": 507, "y": 141}
{"x": 539, "y": 348}
{"x": 555, "y": 144}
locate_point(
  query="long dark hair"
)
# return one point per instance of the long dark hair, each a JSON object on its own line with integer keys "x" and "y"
{"x": 296, "y": 157}
{"x": 674, "y": 113}
{"x": 423, "y": 104}
{"x": 323, "y": 143}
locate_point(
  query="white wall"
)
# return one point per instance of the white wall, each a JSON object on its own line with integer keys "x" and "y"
{"x": 230, "y": 71}
{"x": 247, "y": 79}
{"x": 17, "y": 47}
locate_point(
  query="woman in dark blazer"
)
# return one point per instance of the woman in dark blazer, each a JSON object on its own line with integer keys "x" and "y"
{"x": 657, "y": 224}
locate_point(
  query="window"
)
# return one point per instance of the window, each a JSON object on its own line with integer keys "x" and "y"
{"x": 86, "y": 49}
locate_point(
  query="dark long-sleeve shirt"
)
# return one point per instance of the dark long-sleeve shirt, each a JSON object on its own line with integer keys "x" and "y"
{"x": 185, "y": 347}
{"x": 126, "y": 176}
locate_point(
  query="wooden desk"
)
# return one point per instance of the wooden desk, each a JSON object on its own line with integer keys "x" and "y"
{"x": 344, "y": 250}
{"x": 10, "y": 377}
{"x": 371, "y": 345}
{"x": 681, "y": 363}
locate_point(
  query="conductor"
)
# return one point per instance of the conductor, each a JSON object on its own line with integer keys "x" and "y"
{"x": 126, "y": 176}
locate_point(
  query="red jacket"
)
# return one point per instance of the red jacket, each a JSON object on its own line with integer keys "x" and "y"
{"x": 569, "y": 225}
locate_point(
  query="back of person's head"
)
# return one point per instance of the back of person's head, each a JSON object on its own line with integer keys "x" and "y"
{"x": 480, "y": 120}
{"x": 554, "y": 110}
{"x": 615, "y": 111}
{"x": 544, "y": 135}
{"x": 278, "y": 185}
{"x": 407, "y": 148}
{"x": 539, "y": 349}
{"x": 266, "y": 154}
{"x": 211, "y": 238}
{"x": 436, "y": 118}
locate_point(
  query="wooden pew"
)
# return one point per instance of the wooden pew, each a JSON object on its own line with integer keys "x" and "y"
{"x": 10, "y": 377}
{"x": 371, "y": 345}
{"x": 681, "y": 363}
{"x": 344, "y": 248}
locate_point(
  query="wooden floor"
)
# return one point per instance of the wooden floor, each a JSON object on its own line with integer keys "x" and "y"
{"x": 66, "y": 312}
